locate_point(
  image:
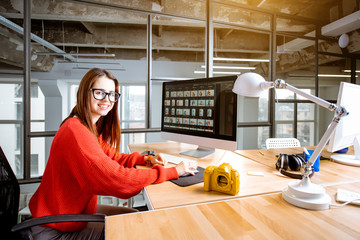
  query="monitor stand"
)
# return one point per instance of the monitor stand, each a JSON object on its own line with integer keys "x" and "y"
{"x": 200, "y": 152}
{"x": 346, "y": 159}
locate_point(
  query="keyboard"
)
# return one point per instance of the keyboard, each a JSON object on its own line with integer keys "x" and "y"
{"x": 176, "y": 159}
{"x": 344, "y": 196}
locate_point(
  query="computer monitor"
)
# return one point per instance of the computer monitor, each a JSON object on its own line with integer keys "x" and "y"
{"x": 347, "y": 132}
{"x": 201, "y": 112}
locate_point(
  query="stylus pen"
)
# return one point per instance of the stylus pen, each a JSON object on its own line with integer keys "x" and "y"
{"x": 306, "y": 151}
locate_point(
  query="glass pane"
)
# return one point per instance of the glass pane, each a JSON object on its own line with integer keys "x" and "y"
{"x": 238, "y": 51}
{"x": 38, "y": 126}
{"x": 98, "y": 30}
{"x": 284, "y": 130}
{"x": 131, "y": 138}
{"x": 253, "y": 109}
{"x": 295, "y": 61}
{"x": 139, "y": 138}
{"x": 252, "y": 137}
{"x": 40, "y": 149}
{"x": 264, "y": 107}
{"x": 306, "y": 133}
{"x": 11, "y": 143}
{"x": 133, "y": 106}
{"x": 284, "y": 94}
{"x": 19, "y": 90}
{"x": 195, "y": 9}
{"x": 306, "y": 111}
{"x": 154, "y": 137}
{"x": 332, "y": 71}
{"x": 11, "y": 89}
{"x": 284, "y": 111}
{"x": 10, "y": 101}
{"x": 179, "y": 49}
{"x": 243, "y": 17}
{"x": 156, "y": 99}
{"x": 38, "y": 106}
{"x": 325, "y": 118}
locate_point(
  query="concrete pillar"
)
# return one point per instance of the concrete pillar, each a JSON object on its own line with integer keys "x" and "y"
{"x": 55, "y": 92}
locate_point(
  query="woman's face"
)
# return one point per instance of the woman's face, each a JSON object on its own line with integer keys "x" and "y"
{"x": 101, "y": 107}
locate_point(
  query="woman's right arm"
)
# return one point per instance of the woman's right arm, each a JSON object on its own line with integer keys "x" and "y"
{"x": 97, "y": 173}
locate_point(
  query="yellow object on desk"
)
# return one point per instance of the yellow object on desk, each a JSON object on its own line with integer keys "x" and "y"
{"x": 222, "y": 179}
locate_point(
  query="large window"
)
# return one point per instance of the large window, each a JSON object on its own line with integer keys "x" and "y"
{"x": 294, "y": 117}
{"x": 183, "y": 44}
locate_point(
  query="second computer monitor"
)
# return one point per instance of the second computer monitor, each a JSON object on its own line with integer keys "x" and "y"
{"x": 347, "y": 133}
{"x": 201, "y": 112}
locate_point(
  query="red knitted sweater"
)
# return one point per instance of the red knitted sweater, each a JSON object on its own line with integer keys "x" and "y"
{"x": 80, "y": 167}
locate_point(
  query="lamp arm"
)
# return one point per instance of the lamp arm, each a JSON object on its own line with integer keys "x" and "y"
{"x": 339, "y": 112}
{"x": 279, "y": 83}
{"x": 266, "y": 85}
{"x": 325, "y": 138}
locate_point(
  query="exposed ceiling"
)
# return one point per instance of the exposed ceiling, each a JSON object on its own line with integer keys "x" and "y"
{"x": 83, "y": 27}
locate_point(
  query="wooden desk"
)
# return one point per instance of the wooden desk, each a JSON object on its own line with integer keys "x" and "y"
{"x": 168, "y": 194}
{"x": 330, "y": 172}
{"x": 257, "y": 217}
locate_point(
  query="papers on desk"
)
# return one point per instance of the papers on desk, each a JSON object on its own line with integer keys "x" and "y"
{"x": 255, "y": 173}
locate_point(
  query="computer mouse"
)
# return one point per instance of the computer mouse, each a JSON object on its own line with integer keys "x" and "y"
{"x": 188, "y": 174}
{"x": 148, "y": 153}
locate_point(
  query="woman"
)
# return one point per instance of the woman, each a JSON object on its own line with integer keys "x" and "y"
{"x": 85, "y": 162}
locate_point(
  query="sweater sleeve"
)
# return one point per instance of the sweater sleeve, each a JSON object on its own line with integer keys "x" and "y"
{"x": 97, "y": 173}
{"x": 126, "y": 160}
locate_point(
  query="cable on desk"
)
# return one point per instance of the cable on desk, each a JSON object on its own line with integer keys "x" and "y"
{"x": 345, "y": 203}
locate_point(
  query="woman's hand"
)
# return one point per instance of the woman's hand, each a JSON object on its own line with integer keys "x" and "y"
{"x": 158, "y": 160}
{"x": 185, "y": 168}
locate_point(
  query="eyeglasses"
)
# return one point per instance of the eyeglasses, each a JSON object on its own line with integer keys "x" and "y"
{"x": 100, "y": 94}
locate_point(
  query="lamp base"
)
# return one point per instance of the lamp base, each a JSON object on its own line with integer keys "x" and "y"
{"x": 305, "y": 194}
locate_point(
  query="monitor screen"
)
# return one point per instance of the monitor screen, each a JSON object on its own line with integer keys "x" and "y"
{"x": 200, "y": 111}
{"x": 347, "y": 132}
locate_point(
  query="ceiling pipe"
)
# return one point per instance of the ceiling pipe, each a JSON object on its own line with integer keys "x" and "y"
{"x": 20, "y": 30}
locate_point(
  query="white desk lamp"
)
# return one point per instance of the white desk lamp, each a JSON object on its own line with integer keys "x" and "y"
{"x": 301, "y": 193}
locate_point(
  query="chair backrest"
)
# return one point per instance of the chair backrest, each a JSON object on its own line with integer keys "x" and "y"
{"x": 282, "y": 143}
{"x": 9, "y": 198}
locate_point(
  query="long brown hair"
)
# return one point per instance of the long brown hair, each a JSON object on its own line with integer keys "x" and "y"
{"x": 108, "y": 126}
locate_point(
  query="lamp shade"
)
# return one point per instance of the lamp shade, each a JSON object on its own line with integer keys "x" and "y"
{"x": 251, "y": 85}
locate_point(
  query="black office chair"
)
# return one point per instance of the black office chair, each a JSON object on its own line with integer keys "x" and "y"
{"x": 9, "y": 207}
